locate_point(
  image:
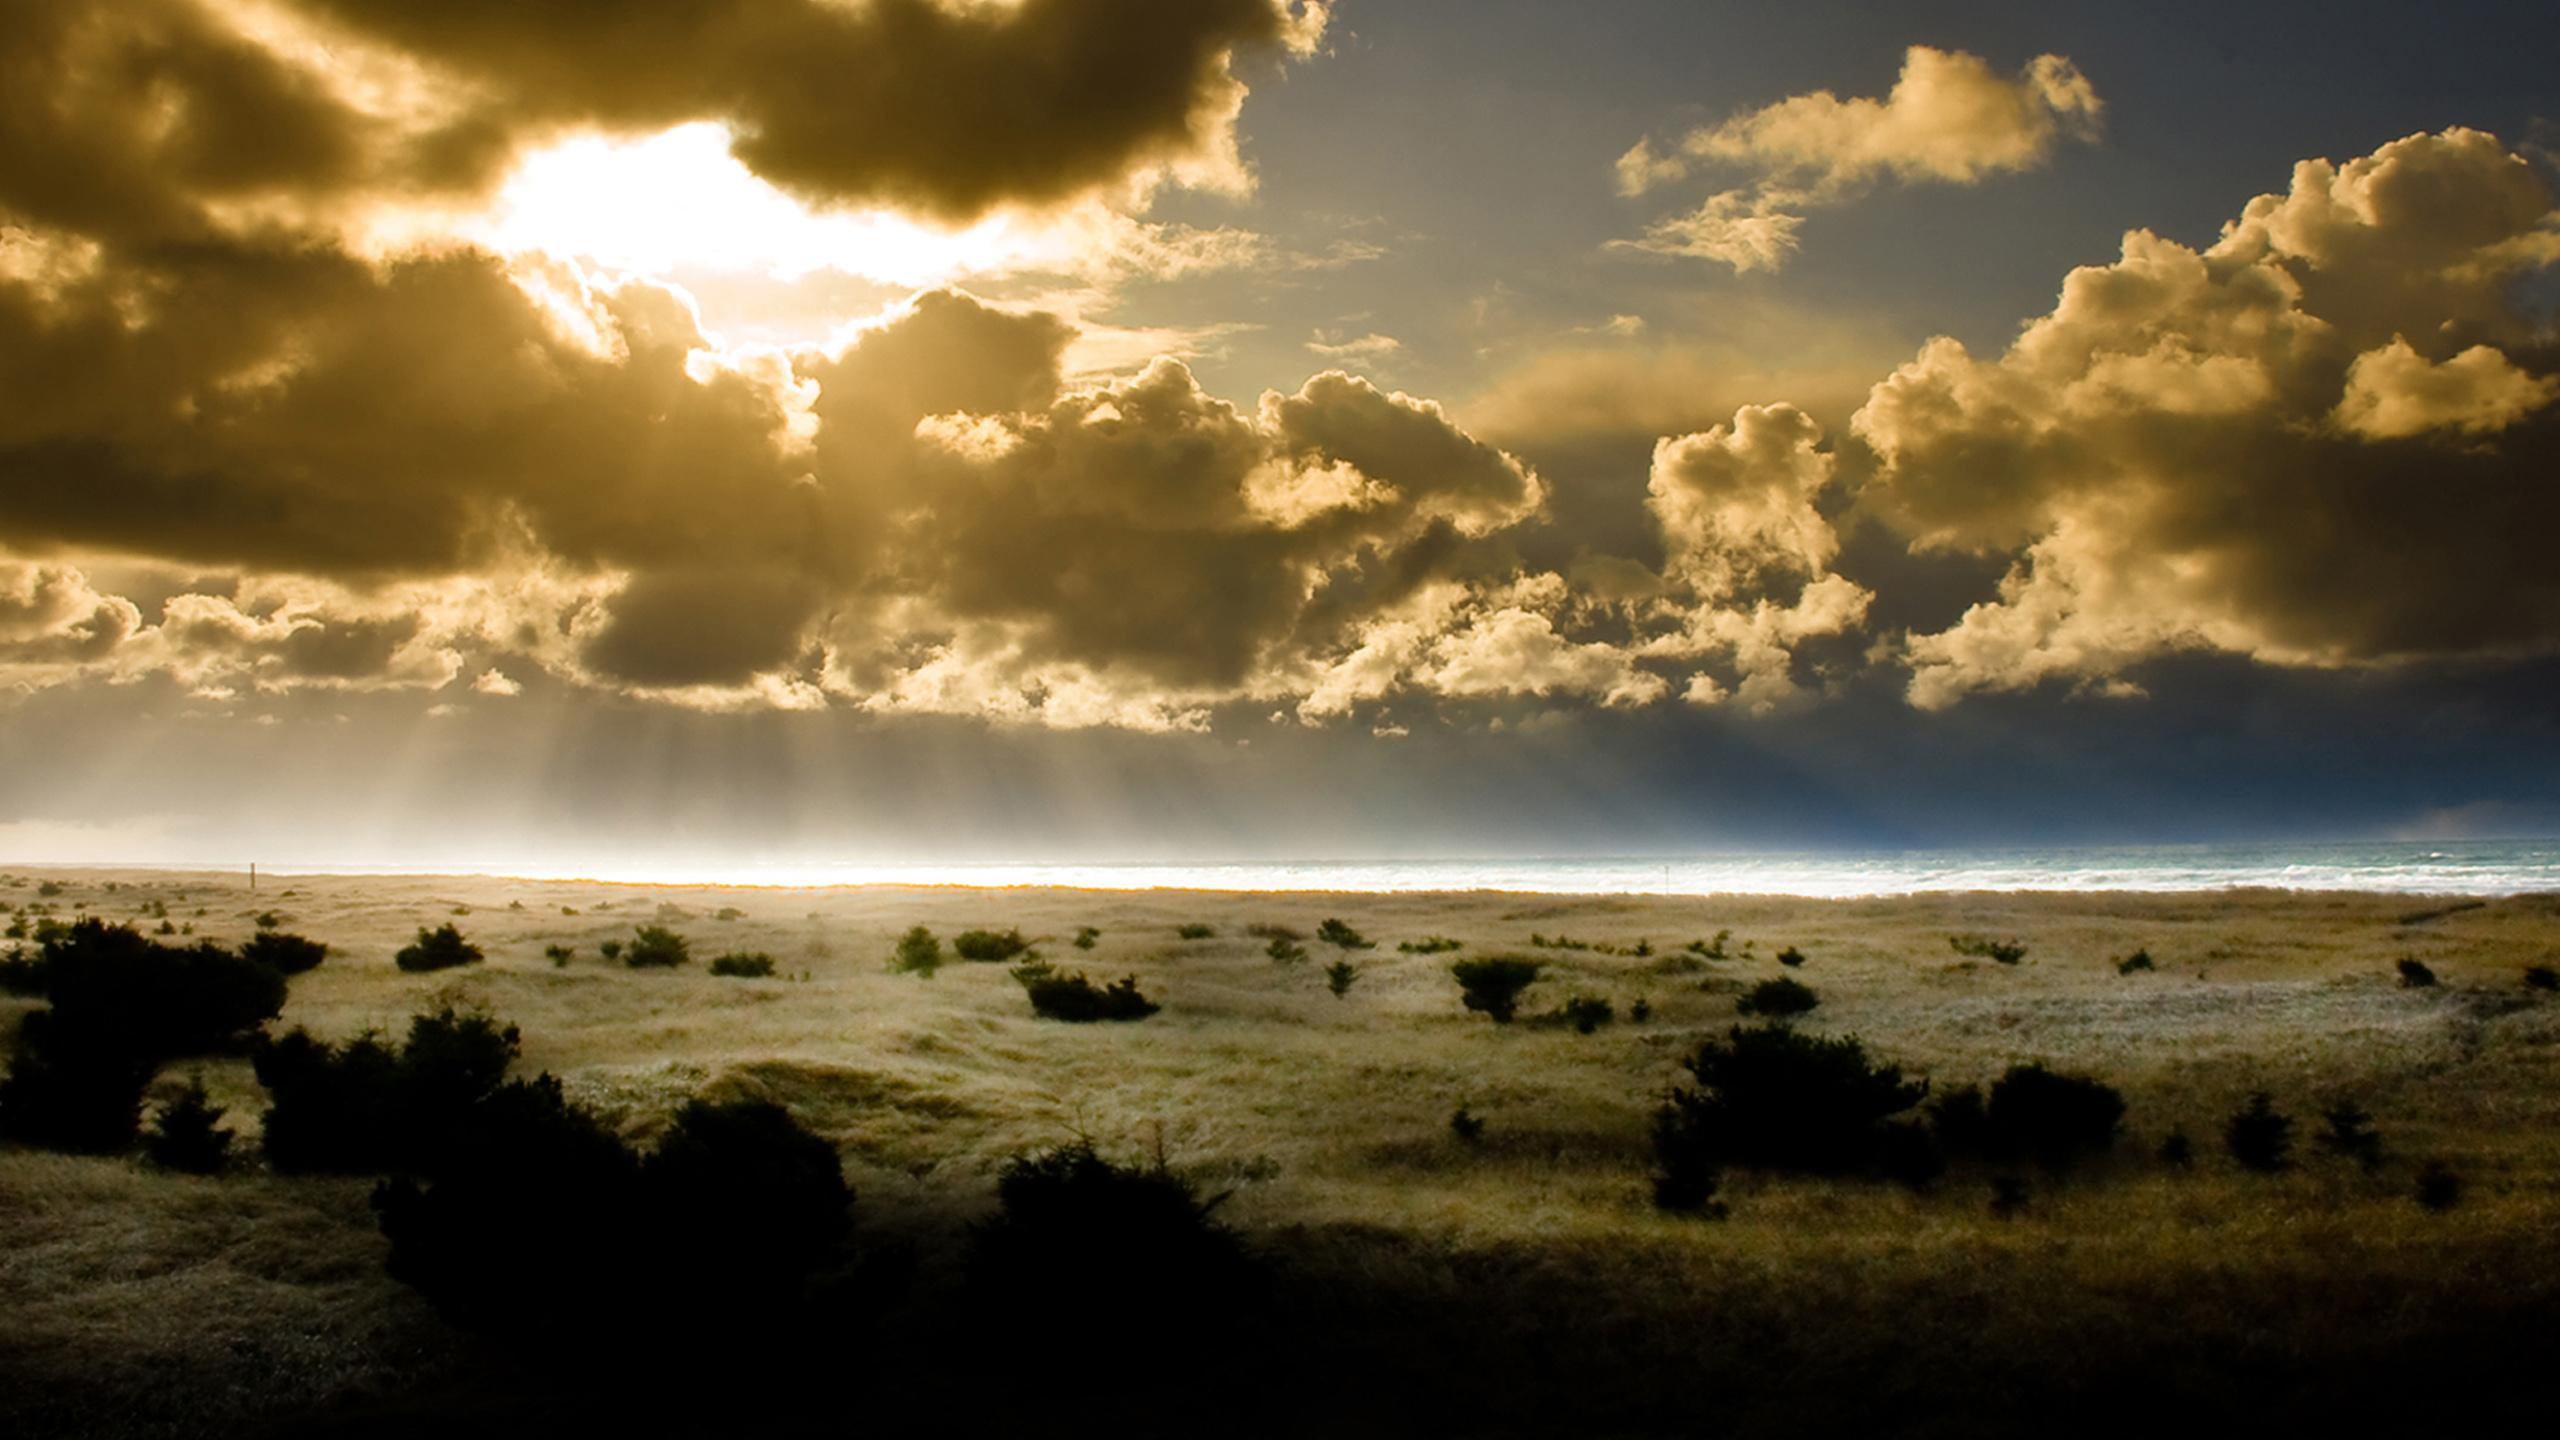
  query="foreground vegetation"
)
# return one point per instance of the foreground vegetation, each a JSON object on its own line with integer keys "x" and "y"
{"x": 1961, "y": 1191}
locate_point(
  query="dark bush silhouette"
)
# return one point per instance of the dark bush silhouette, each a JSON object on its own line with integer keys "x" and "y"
{"x": 1342, "y": 937}
{"x": 1687, "y": 1174}
{"x": 1780, "y": 997}
{"x": 526, "y": 1222}
{"x": 2007, "y": 952}
{"x": 111, "y": 984}
{"x": 1430, "y": 945}
{"x": 2414, "y": 973}
{"x": 2177, "y": 1150}
{"x": 918, "y": 953}
{"x": 1195, "y": 932}
{"x": 442, "y": 948}
{"x": 1641, "y": 1011}
{"x": 988, "y": 945}
{"x": 1285, "y": 951}
{"x": 2259, "y": 1136}
{"x": 1067, "y": 995}
{"x": 655, "y": 947}
{"x": 1587, "y": 1013}
{"x": 1492, "y": 985}
{"x": 2438, "y": 1189}
{"x": 2050, "y": 1119}
{"x": 2008, "y": 1197}
{"x": 365, "y": 1108}
{"x": 2541, "y": 977}
{"x": 559, "y": 955}
{"x": 609, "y": 949}
{"x": 749, "y": 1205}
{"x": 1086, "y": 936}
{"x": 744, "y": 965}
{"x": 1088, "y": 1253}
{"x": 1766, "y": 1096}
{"x": 122, "y": 1005}
{"x": 69, "y": 1090}
{"x": 1339, "y": 976}
{"x": 22, "y": 973}
{"x": 285, "y": 954}
{"x": 1791, "y": 957}
{"x": 187, "y": 1134}
{"x": 2135, "y": 963}
{"x": 2349, "y": 1134}
{"x": 1466, "y": 1125}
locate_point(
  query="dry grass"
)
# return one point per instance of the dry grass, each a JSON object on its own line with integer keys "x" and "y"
{"x": 1329, "y": 1117}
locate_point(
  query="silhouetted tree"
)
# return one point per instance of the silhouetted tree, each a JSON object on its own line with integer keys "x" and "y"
{"x": 187, "y": 1134}
{"x": 1492, "y": 985}
{"x": 442, "y": 948}
{"x": 2259, "y": 1136}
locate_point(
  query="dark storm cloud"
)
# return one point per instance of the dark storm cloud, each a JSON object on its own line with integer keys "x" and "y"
{"x": 937, "y": 106}
{"x": 163, "y": 119}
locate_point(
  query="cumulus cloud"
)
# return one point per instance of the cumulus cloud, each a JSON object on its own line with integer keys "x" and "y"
{"x": 1949, "y": 119}
{"x": 2323, "y": 440}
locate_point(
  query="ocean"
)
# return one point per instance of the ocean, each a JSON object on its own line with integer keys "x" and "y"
{"x": 2440, "y": 867}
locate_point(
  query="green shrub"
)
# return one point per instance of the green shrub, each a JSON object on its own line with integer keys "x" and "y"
{"x": 1086, "y": 935}
{"x": 2414, "y": 973}
{"x": 1342, "y": 937}
{"x": 1430, "y": 945}
{"x": 2259, "y": 1137}
{"x": 1492, "y": 985}
{"x": 1778, "y": 998}
{"x": 1285, "y": 951}
{"x": 2007, "y": 952}
{"x": 989, "y": 946}
{"x": 1338, "y": 977}
{"x": 655, "y": 947}
{"x": 1265, "y": 930}
{"x": 1710, "y": 949}
{"x": 744, "y": 965}
{"x": 1587, "y": 1013}
{"x": 187, "y": 1134}
{"x": 918, "y": 953}
{"x": 285, "y": 954}
{"x": 611, "y": 950}
{"x": 442, "y": 948}
{"x": 1195, "y": 931}
{"x": 1770, "y": 1097}
{"x": 1066, "y": 995}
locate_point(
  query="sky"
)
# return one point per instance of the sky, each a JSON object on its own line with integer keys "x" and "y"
{"x": 496, "y": 433}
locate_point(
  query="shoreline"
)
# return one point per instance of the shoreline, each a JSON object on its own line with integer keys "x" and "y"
{"x": 145, "y": 874}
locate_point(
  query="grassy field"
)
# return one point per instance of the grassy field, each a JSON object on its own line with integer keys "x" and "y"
{"x": 1520, "y": 1284}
